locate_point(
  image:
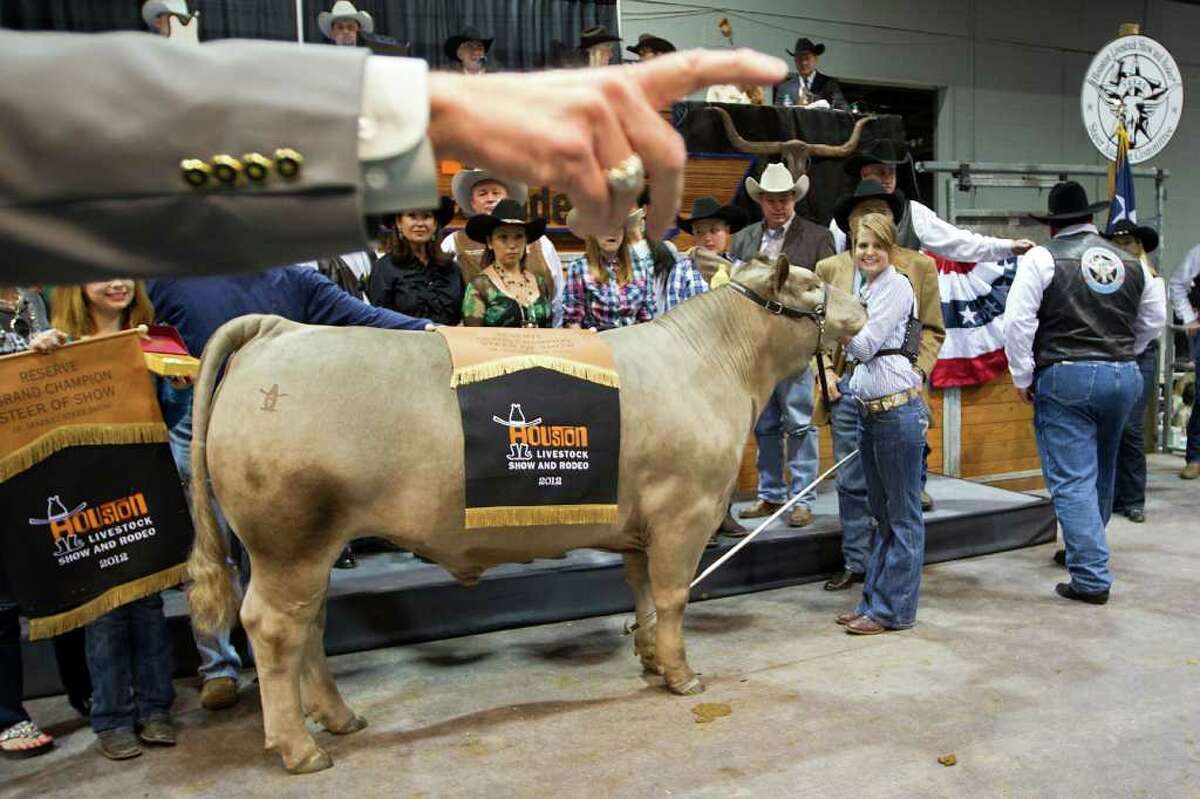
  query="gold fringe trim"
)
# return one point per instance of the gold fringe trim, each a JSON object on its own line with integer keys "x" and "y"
{"x": 74, "y": 435}
{"x": 531, "y": 515}
{"x": 111, "y": 599}
{"x": 516, "y": 363}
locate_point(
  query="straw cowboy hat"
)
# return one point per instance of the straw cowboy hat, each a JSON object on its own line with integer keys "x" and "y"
{"x": 465, "y": 180}
{"x": 1068, "y": 200}
{"x": 777, "y": 179}
{"x": 344, "y": 9}
{"x": 152, "y": 8}
{"x": 631, "y": 222}
{"x": 467, "y": 34}
{"x": 655, "y": 44}
{"x": 1146, "y": 236}
{"x": 506, "y": 212}
{"x": 710, "y": 208}
{"x": 866, "y": 190}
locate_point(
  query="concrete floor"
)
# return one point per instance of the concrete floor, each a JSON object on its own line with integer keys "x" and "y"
{"x": 1034, "y": 695}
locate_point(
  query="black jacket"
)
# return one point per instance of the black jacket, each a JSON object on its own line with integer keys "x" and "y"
{"x": 434, "y": 292}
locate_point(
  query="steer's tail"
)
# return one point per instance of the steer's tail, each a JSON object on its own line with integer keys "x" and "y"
{"x": 213, "y": 595}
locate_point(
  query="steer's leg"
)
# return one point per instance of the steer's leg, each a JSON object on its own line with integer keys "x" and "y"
{"x": 281, "y": 605}
{"x": 673, "y": 561}
{"x": 322, "y": 701}
{"x": 637, "y": 575}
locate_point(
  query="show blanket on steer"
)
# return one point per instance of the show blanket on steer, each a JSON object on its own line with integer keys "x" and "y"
{"x": 973, "y": 298}
{"x": 541, "y": 417}
{"x": 92, "y": 513}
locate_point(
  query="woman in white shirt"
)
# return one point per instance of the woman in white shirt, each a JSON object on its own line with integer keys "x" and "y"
{"x": 887, "y": 388}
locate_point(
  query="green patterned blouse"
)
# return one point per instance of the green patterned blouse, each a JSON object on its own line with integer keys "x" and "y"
{"x": 485, "y": 305}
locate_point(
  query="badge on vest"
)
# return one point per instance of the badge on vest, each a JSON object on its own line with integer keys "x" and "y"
{"x": 1103, "y": 271}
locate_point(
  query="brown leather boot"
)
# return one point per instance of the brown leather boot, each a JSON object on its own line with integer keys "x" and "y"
{"x": 800, "y": 517}
{"x": 1190, "y": 472}
{"x": 760, "y": 509}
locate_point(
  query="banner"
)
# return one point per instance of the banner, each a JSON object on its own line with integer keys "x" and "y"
{"x": 973, "y": 300}
{"x": 541, "y": 417}
{"x": 92, "y": 512}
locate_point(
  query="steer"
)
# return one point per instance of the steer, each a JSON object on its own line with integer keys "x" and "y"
{"x": 297, "y": 484}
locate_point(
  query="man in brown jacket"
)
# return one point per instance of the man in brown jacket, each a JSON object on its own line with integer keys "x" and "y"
{"x": 869, "y": 197}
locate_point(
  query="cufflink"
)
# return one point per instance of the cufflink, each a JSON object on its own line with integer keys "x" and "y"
{"x": 195, "y": 172}
{"x": 288, "y": 163}
{"x": 227, "y": 169}
{"x": 258, "y": 166}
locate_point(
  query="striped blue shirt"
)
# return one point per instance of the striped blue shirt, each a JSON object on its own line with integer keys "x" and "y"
{"x": 890, "y": 300}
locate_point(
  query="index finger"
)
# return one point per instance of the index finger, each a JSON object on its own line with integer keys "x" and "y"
{"x": 670, "y": 77}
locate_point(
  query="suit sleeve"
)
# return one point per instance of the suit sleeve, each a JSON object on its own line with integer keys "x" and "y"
{"x": 929, "y": 310}
{"x": 833, "y": 92}
{"x": 326, "y": 304}
{"x": 99, "y": 125}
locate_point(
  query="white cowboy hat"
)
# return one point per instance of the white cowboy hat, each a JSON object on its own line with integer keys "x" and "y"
{"x": 631, "y": 222}
{"x": 776, "y": 179}
{"x": 344, "y": 9}
{"x": 464, "y": 181}
{"x": 152, "y": 8}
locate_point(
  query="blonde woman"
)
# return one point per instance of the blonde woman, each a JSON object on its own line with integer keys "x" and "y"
{"x": 611, "y": 284}
{"x": 887, "y": 388}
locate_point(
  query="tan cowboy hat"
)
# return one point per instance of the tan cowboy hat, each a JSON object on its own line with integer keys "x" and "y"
{"x": 465, "y": 179}
{"x": 152, "y": 8}
{"x": 632, "y": 221}
{"x": 344, "y": 9}
{"x": 777, "y": 179}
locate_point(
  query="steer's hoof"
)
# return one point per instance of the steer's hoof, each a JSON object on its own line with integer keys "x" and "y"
{"x": 354, "y": 724}
{"x": 689, "y": 687}
{"x": 319, "y": 760}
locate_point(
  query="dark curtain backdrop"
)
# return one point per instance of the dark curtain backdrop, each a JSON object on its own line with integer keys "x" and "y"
{"x": 530, "y": 34}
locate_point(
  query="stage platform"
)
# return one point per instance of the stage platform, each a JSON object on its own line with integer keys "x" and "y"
{"x": 393, "y": 598}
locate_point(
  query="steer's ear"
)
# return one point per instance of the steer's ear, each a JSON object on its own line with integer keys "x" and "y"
{"x": 782, "y": 270}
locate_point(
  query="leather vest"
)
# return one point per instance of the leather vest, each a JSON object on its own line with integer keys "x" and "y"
{"x": 1089, "y": 309}
{"x": 470, "y": 260}
{"x": 906, "y": 234}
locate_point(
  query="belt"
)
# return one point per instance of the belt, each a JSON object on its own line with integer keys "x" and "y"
{"x": 890, "y": 402}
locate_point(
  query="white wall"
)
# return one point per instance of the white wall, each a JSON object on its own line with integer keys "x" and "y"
{"x": 1009, "y": 71}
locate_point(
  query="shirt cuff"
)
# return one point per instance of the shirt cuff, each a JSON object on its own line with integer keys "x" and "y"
{"x": 395, "y": 155}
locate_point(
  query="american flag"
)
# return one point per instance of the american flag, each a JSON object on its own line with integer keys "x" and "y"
{"x": 973, "y": 298}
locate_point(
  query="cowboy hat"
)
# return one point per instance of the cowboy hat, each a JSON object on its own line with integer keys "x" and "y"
{"x": 805, "y": 45}
{"x": 152, "y": 8}
{"x": 1068, "y": 200}
{"x": 776, "y": 179}
{"x": 709, "y": 208}
{"x": 1146, "y": 236}
{"x": 442, "y": 214}
{"x": 648, "y": 41}
{"x": 467, "y": 34}
{"x": 597, "y": 34}
{"x": 344, "y": 9}
{"x": 880, "y": 151}
{"x": 465, "y": 180}
{"x": 633, "y": 220}
{"x": 866, "y": 190}
{"x": 506, "y": 212}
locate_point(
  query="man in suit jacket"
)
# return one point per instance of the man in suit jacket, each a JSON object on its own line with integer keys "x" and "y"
{"x": 843, "y": 416}
{"x": 788, "y": 414}
{"x": 816, "y": 85}
{"x": 254, "y": 154}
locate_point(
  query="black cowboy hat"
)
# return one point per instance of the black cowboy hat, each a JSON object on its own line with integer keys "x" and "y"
{"x": 652, "y": 43}
{"x": 1068, "y": 200}
{"x": 441, "y": 215}
{"x": 506, "y": 212}
{"x": 709, "y": 208}
{"x": 806, "y": 45}
{"x": 467, "y": 34}
{"x": 597, "y": 34}
{"x": 880, "y": 151}
{"x": 1146, "y": 236}
{"x": 867, "y": 190}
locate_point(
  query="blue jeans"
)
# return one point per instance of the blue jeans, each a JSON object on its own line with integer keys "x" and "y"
{"x": 1130, "y": 492}
{"x": 1193, "y": 428}
{"x": 130, "y": 660}
{"x": 218, "y": 658}
{"x": 788, "y": 413}
{"x": 893, "y": 444}
{"x": 854, "y": 511}
{"x": 1079, "y": 411}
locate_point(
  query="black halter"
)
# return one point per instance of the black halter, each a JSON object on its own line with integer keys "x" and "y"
{"x": 817, "y": 315}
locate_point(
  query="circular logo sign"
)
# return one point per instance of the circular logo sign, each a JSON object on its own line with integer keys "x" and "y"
{"x": 1103, "y": 271}
{"x": 1133, "y": 78}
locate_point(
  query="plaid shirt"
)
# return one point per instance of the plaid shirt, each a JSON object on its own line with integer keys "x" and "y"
{"x": 608, "y": 305}
{"x": 683, "y": 281}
